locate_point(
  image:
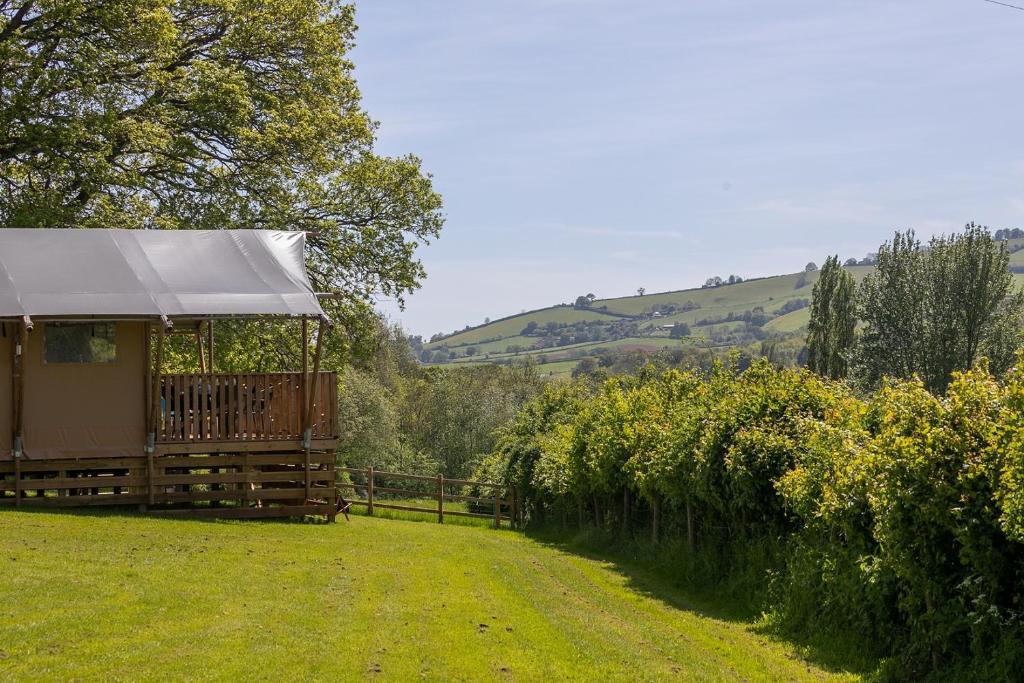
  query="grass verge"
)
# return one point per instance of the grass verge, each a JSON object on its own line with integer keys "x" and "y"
{"x": 92, "y": 596}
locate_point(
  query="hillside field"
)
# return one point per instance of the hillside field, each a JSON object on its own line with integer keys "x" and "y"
{"x": 98, "y": 596}
{"x": 717, "y": 317}
{"x": 714, "y": 316}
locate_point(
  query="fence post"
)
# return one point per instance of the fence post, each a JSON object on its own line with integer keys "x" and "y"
{"x": 369, "y": 490}
{"x": 511, "y": 505}
{"x": 440, "y": 499}
{"x": 516, "y": 521}
{"x": 497, "y": 507}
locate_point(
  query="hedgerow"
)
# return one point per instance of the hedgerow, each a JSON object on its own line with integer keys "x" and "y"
{"x": 896, "y": 520}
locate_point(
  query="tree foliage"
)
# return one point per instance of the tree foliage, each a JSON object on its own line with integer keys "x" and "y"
{"x": 894, "y": 520}
{"x": 930, "y": 311}
{"x": 830, "y": 333}
{"x": 400, "y": 416}
{"x": 207, "y": 114}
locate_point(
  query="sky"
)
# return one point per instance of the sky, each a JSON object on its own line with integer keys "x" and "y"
{"x": 601, "y": 146}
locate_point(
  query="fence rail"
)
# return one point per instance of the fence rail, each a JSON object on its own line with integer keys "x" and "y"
{"x": 504, "y": 505}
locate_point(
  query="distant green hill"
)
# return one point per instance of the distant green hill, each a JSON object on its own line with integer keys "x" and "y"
{"x": 727, "y": 316}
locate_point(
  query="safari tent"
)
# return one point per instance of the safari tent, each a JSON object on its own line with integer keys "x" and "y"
{"x": 88, "y": 413}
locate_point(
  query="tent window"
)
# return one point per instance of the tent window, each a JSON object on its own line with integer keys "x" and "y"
{"x": 79, "y": 343}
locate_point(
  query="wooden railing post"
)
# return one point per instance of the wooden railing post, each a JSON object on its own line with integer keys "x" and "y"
{"x": 369, "y": 490}
{"x": 440, "y": 499}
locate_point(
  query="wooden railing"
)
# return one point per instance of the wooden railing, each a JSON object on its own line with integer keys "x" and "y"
{"x": 243, "y": 407}
{"x": 372, "y": 485}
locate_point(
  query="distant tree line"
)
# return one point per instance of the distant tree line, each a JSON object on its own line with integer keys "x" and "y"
{"x": 926, "y": 311}
{"x": 399, "y": 416}
{"x": 717, "y": 281}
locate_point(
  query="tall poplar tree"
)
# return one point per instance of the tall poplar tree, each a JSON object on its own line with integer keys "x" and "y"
{"x": 929, "y": 311}
{"x": 830, "y": 333}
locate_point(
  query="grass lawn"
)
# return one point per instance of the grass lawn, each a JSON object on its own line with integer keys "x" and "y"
{"x": 101, "y": 596}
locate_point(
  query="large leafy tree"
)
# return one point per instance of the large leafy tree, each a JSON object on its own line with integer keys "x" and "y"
{"x": 830, "y": 333}
{"x": 207, "y": 114}
{"x": 929, "y": 311}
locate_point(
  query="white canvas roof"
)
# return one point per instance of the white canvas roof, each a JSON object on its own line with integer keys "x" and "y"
{"x": 127, "y": 273}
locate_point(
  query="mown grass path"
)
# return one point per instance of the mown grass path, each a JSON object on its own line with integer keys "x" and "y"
{"x": 100, "y": 597}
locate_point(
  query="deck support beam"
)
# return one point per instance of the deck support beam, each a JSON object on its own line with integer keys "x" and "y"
{"x": 307, "y": 432}
{"x": 18, "y": 404}
{"x": 209, "y": 343}
{"x": 200, "y": 351}
{"x": 154, "y": 410}
{"x": 305, "y": 369}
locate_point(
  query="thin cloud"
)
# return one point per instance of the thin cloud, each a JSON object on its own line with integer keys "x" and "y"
{"x": 626, "y": 234}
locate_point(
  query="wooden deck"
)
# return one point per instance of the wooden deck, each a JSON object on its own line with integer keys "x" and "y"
{"x": 227, "y": 445}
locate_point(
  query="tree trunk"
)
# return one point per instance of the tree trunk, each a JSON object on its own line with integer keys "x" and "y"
{"x": 655, "y": 517}
{"x": 597, "y": 513}
{"x": 930, "y": 606}
{"x": 579, "y": 511}
{"x": 689, "y": 526}
{"x": 625, "y": 511}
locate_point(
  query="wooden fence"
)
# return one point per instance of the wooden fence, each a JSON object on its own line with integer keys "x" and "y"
{"x": 499, "y": 507}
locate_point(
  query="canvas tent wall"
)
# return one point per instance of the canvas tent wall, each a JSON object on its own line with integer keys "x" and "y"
{"x": 84, "y": 409}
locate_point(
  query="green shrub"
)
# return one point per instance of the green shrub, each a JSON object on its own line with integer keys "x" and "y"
{"x": 894, "y": 522}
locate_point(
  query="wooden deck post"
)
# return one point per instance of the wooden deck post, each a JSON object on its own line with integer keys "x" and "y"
{"x": 440, "y": 499}
{"x": 304, "y": 386}
{"x": 209, "y": 342}
{"x": 307, "y": 432}
{"x": 15, "y": 376}
{"x": 369, "y": 490}
{"x": 332, "y": 499}
{"x": 200, "y": 351}
{"x": 154, "y": 412}
{"x": 317, "y": 356}
{"x": 18, "y": 424}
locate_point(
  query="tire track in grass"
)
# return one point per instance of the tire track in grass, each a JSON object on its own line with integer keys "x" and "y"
{"x": 616, "y": 627}
{"x": 587, "y": 640}
{"x": 505, "y": 588}
{"x": 666, "y": 624}
{"x": 561, "y": 577}
{"x": 710, "y": 632}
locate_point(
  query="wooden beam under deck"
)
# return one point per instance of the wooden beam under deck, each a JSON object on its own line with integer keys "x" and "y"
{"x": 214, "y": 447}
